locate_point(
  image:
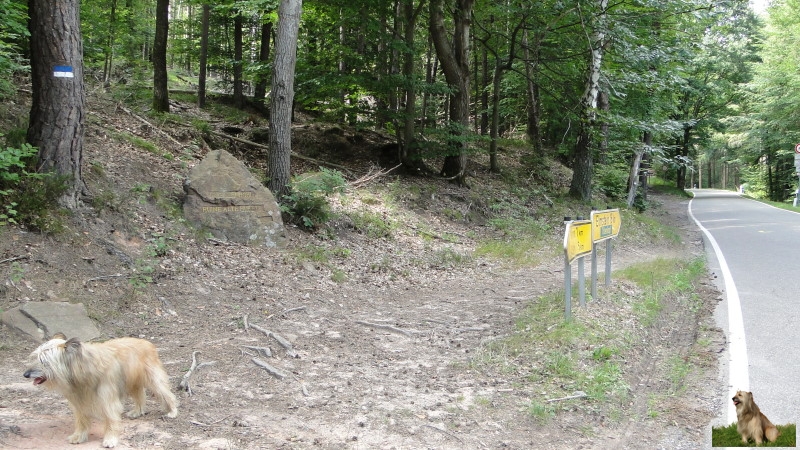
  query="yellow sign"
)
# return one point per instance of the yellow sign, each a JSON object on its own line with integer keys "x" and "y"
{"x": 605, "y": 224}
{"x": 578, "y": 239}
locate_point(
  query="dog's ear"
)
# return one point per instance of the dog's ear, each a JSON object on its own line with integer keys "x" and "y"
{"x": 72, "y": 345}
{"x": 59, "y": 335}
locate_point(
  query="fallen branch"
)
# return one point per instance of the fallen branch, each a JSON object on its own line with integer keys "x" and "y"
{"x": 221, "y": 242}
{"x": 444, "y": 431}
{"x": 184, "y": 384}
{"x": 293, "y": 154}
{"x": 576, "y": 394}
{"x": 159, "y": 130}
{"x": 16, "y": 258}
{"x": 168, "y": 306}
{"x": 271, "y": 370}
{"x": 194, "y": 422}
{"x": 104, "y": 277}
{"x": 384, "y": 327}
{"x": 371, "y": 175}
{"x": 302, "y": 386}
{"x": 299, "y": 308}
{"x": 263, "y": 351}
{"x": 465, "y": 330}
{"x": 283, "y": 342}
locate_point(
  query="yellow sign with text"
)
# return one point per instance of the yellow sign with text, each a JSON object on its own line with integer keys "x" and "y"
{"x": 578, "y": 239}
{"x": 605, "y": 224}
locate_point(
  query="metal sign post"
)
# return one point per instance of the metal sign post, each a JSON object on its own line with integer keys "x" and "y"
{"x": 577, "y": 244}
{"x": 605, "y": 226}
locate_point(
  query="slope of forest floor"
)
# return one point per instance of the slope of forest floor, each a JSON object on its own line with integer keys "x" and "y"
{"x": 393, "y": 310}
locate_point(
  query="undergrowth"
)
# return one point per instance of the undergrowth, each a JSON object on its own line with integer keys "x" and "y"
{"x": 578, "y": 363}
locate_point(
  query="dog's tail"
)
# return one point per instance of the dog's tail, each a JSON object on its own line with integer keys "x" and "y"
{"x": 772, "y": 433}
{"x": 159, "y": 385}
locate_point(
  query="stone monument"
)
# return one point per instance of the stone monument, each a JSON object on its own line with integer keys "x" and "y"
{"x": 223, "y": 197}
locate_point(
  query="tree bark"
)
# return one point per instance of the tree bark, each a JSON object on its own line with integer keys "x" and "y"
{"x": 238, "y": 93}
{"x": 455, "y": 65}
{"x": 282, "y": 97}
{"x": 410, "y": 154}
{"x": 58, "y": 97}
{"x": 109, "y": 50}
{"x": 683, "y": 157}
{"x": 582, "y": 170}
{"x": 534, "y": 115}
{"x": 263, "y": 58}
{"x": 160, "y": 91}
{"x": 201, "y": 80}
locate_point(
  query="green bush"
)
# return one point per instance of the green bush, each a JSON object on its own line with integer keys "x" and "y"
{"x": 307, "y": 205}
{"x": 28, "y": 197}
{"x": 612, "y": 181}
{"x": 37, "y": 201}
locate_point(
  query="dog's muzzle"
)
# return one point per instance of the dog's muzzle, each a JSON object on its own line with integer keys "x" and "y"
{"x": 736, "y": 401}
{"x": 37, "y": 375}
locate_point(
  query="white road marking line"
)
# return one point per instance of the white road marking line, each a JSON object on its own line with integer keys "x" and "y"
{"x": 738, "y": 372}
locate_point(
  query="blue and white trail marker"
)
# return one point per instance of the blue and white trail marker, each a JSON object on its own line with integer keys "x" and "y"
{"x": 63, "y": 72}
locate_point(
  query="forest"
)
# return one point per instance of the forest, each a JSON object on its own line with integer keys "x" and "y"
{"x": 697, "y": 93}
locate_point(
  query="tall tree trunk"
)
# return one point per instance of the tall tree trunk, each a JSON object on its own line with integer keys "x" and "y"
{"x": 201, "y": 80}
{"x": 534, "y": 99}
{"x": 109, "y": 50}
{"x": 635, "y": 179}
{"x": 263, "y": 58}
{"x": 394, "y": 69}
{"x": 602, "y": 148}
{"x": 280, "y": 111}
{"x": 160, "y": 92}
{"x": 58, "y": 98}
{"x": 238, "y": 93}
{"x": 495, "y": 126}
{"x": 484, "y": 93}
{"x": 410, "y": 154}
{"x": 683, "y": 157}
{"x": 189, "y": 37}
{"x": 582, "y": 169}
{"x": 455, "y": 65}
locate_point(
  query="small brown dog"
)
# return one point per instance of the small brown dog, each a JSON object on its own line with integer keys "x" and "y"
{"x": 97, "y": 378}
{"x": 752, "y": 422}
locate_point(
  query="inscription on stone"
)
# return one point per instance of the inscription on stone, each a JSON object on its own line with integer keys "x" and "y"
{"x": 223, "y": 197}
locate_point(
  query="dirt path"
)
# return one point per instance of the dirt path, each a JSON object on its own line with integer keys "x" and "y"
{"x": 405, "y": 383}
{"x": 385, "y": 330}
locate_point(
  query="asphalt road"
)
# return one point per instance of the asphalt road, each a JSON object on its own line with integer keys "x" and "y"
{"x": 755, "y": 251}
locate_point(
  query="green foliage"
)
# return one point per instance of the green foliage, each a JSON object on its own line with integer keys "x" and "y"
{"x": 159, "y": 246}
{"x": 29, "y": 198}
{"x": 14, "y": 161}
{"x": 37, "y": 202}
{"x": 372, "y": 224}
{"x": 612, "y": 180}
{"x": 13, "y": 32}
{"x": 307, "y": 203}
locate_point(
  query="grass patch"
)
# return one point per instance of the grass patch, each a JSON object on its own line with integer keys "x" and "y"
{"x": 372, "y": 224}
{"x": 525, "y": 242}
{"x": 143, "y": 144}
{"x": 558, "y": 357}
{"x": 587, "y": 353}
{"x": 659, "y": 278}
{"x": 729, "y": 437}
